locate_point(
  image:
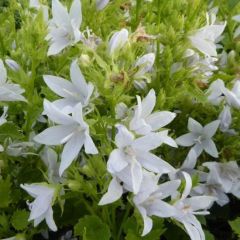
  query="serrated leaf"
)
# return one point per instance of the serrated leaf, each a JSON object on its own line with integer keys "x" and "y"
{"x": 91, "y": 226}
{"x": 5, "y": 188}
{"x": 235, "y": 225}
{"x": 10, "y": 130}
{"x": 20, "y": 219}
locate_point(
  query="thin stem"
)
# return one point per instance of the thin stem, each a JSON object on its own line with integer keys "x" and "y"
{"x": 123, "y": 221}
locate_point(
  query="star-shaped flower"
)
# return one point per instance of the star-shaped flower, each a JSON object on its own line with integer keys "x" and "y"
{"x": 201, "y": 139}
{"x": 144, "y": 121}
{"x": 41, "y": 207}
{"x": 73, "y": 92}
{"x": 71, "y": 130}
{"x": 64, "y": 27}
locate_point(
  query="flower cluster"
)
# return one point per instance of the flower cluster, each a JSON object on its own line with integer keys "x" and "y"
{"x": 110, "y": 115}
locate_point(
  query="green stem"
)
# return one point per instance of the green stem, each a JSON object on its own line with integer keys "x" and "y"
{"x": 123, "y": 221}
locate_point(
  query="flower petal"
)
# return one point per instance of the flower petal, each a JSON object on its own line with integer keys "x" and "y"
{"x": 211, "y": 128}
{"x": 55, "y": 114}
{"x": 194, "y": 126}
{"x": 210, "y": 147}
{"x": 76, "y": 13}
{"x": 160, "y": 119}
{"x": 123, "y": 137}
{"x": 117, "y": 161}
{"x": 186, "y": 140}
{"x": 114, "y": 192}
{"x": 3, "y": 71}
{"x": 49, "y": 220}
{"x": 137, "y": 175}
{"x": 154, "y": 163}
{"x": 71, "y": 151}
{"x": 148, "y": 103}
{"x": 89, "y": 145}
{"x": 147, "y": 221}
{"x": 60, "y": 86}
{"x": 55, "y": 135}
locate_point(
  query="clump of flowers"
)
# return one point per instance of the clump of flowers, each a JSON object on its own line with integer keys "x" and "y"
{"x": 119, "y": 119}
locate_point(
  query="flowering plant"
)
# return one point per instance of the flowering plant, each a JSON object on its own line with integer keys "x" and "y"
{"x": 119, "y": 119}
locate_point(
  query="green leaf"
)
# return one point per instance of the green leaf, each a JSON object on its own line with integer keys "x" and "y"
{"x": 232, "y": 4}
{"x": 91, "y": 226}
{"x": 235, "y": 225}
{"x": 20, "y": 219}
{"x": 10, "y": 130}
{"x": 5, "y": 188}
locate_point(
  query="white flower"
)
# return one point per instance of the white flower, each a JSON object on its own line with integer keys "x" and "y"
{"x": 72, "y": 131}
{"x": 227, "y": 174}
{"x": 201, "y": 138}
{"x": 144, "y": 121}
{"x": 204, "y": 38}
{"x": 233, "y": 96}
{"x": 73, "y": 92}
{"x": 4, "y": 116}
{"x": 216, "y": 92}
{"x": 225, "y": 118}
{"x": 100, "y": 4}
{"x": 9, "y": 91}
{"x": 41, "y": 207}
{"x": 117, "y": 41}
{"x": 149, "y": 200}
{"x": 64, "y": 26}
{"x": 35, "y": 4}
{"x": 212, "y": 187}
{"x": 49, "y": 157}
{"x": 237, "y": 30}
{"x": 126, "y": 163}
{"x": 12, "y": 64}
{"x": 186, "y": 208}
{"x": 144, "y": 64}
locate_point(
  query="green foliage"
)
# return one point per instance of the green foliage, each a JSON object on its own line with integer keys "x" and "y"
{"x": 235, "y": 225}
{"x": 5, "y": 192}
{"x": 19, "y": 219}
{"x": 91, "y": 226}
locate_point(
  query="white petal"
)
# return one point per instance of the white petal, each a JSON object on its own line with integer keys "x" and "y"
{"x": 186, "y": 140}
{"x": 200, "y": 202}
{"x": 117, "y": 161}
{"x": 89, "y": 145}
{"x": 35, "y": 189}
{"x": 60, "y": 86}
{"x": 57, "y": 46}
{"x": 60, "y": 13}
{"x": 114, "y": 192}
{"x": 3, "y": 71}
{"x": 148, "y": 142}
{"x": 210, "y": 147}
{"x": 194, "y": 126}
{"x": 147, "y": 221}
{"x": 191, "y": 159}
{"x": 77, "y": 115}
{"x": 211, "y": 128}
{"x": 78, "y": 79}
{"x": 49, "y": 220}
{"x": 76, "y": 13}
{"x": 206, "y": 47}
{"x": 148, "y": 103}
{"x": 56, "y": 115}
{"x": 55, "y": 135}
{"x": 137, "y": 175}
{"x": 117, "y": 41}
{"x": 40, "y": 206}
{"x": 71, "y": 151}
{"x": 161, "y": 209}
{"x": 188, "y": 185}
{"x": 100, "y": 4}
{"x": 154, "y": 163}
{"x": 123, "y": 137}
{"x": 168, "y": 188}
{"x": 160, "y": 119}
